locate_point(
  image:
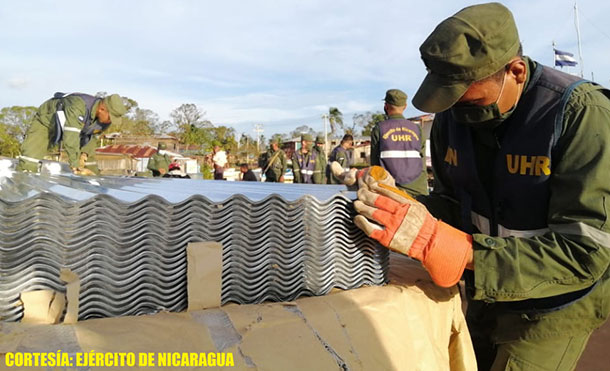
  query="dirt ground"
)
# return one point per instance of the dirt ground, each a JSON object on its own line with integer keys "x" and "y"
{"x": 597, "y": 353}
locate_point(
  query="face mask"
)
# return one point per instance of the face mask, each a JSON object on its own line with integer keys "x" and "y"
{"x": 476, "y": 116}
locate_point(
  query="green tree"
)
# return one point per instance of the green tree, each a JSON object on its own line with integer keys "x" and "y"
{"x": 17, "y": 119}
{"x": 162, "y": 127}
{"x": 191, "y": 125}
{"x": 367, "y": 121}
{"x": 143, "y": 121}
{"x": 300, "y": 130}
{"x": 9, "y": 145}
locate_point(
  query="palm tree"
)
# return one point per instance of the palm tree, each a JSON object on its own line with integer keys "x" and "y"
{"x": 336, "y": 120}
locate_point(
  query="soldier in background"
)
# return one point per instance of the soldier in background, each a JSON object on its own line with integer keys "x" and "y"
{"x": 159, "y": 162}
{"x": 319, "y": 171}
{"x": 341, "y": 155}
{"x": 274, "y": 163}
{"x": 398, "y": 145}
{"x": 304, "y": 161}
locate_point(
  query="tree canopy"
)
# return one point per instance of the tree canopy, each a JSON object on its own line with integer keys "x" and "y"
{"x": 14, "y": 123}
{"x": 367, "y": 121}
{"x": 300, "y": 130}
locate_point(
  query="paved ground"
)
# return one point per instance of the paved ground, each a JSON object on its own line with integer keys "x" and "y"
{"x": 597, "y": 354}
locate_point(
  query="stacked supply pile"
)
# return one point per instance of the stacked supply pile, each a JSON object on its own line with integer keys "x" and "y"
{"x": 126, "y": 239}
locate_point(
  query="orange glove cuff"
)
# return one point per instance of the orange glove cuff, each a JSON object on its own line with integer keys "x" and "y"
{"x": 421, "y": 243}
{"x": 446, "y": 255}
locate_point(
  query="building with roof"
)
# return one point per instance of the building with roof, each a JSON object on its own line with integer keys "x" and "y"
{"x": 170, "y": 141}
{"x": 119, "y": 159}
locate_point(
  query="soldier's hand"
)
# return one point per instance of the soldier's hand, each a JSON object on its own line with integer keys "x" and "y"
{"x": 162, "y": 171}
{"x": 368, "y": 177}
{"x": 281, "y": 179}
{"x": 82, "y": 159}
{"x": 82, "y": 171}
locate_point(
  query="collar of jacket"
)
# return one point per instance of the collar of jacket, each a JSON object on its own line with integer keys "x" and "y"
{"x": 94, "y": 110}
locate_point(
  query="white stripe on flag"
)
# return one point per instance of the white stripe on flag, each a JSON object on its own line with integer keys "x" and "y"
{"x": 564, "y": 58}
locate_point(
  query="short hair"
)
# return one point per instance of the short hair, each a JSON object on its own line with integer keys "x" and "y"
{"x": 243, "y": 165}
{"x": 347, "y": 138}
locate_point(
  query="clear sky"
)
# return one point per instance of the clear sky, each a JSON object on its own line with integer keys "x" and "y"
{"x": 279, "y": 63}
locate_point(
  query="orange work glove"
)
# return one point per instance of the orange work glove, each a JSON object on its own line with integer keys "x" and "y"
{"x": 406, "y": 226}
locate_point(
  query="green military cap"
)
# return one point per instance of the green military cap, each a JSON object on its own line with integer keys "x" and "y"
{"x": 115, "y": 106}
{"x": 320, "y": 139}
{"x": 273, "y": 141}
{"x": 307, "y": 137}
{"x": 161, "y": 146}
{"x": 395, "y": 97}
{"x": 469, "y": 46}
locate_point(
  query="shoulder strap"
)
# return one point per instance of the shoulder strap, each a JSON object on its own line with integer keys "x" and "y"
{"x": 271, "y": 161}
{"x": 562, "y": 105}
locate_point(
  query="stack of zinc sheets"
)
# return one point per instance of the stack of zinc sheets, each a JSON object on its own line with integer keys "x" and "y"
{"x": 126, "y": 239}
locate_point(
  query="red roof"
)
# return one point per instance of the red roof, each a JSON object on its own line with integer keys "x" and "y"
{"x": 135, "y": 151}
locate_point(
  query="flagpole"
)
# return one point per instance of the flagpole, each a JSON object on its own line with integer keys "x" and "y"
{"x": 554, "y": 64}
{"x": 578, "y": 36}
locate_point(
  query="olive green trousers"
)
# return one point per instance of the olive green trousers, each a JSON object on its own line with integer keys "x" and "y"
{"x": 556, "y": 353}
{"x": 36, "y": 146}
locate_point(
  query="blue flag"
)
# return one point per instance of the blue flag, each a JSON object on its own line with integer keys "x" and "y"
{"x": 563, "y": 59}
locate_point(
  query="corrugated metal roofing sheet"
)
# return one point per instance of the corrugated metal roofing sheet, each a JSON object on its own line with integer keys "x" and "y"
{"x": 126, "y": 239}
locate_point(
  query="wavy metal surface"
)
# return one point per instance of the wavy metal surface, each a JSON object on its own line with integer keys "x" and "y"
{"x": 126, "y": 238}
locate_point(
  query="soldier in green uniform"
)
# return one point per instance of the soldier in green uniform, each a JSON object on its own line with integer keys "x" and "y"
{"x": 398, "y": 145}
{"x": 342, "y": 156}
{"x": 72, "y": 120}
{"x": 520, "y": 153}
{"x": 319, "y": 171}
{"x": 159, "y": 162}
{"x": 274, "y": 163}
{"x": 304, "y": 161}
